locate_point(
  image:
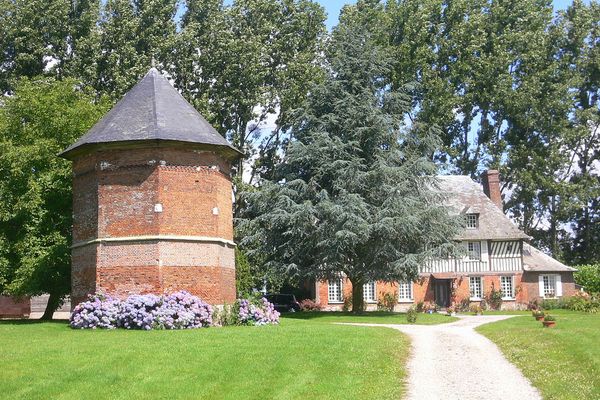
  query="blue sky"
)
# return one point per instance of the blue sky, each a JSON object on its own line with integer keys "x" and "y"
{"x": 333, "y": 8}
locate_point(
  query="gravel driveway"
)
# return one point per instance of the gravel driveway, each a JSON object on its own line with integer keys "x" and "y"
{"x": 452, "y": 361}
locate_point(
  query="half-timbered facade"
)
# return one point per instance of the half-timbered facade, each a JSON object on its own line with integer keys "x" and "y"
{"x": 496, "y": 257}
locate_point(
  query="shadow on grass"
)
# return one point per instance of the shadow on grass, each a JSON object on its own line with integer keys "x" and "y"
{"x": 333, "y": 314}
{"x": 33, "y": 322}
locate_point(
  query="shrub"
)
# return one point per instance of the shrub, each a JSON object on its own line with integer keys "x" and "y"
{"x": 411, "y": 315}
{"x": 257, "y": 312}
{"x": 347, "y": 306}
{"x": 483, "y": 304}
{"x": 533, "y": 305}
{"x": 588, "y": 276}
{"x": 179, "y": 310}
{"x": 494, "y": 299}
{"x": 420, "y": 306}
{"x": 463, "y": 306}
{"x": 387, "y": 302}
{"x": 98, "y": 311}
{"x": 537, "y": 313}
{"x": 552, "y": 304}
{"x": 310, "y": 305}
{"x": 476, "y": 309}
{"x": 583, "y": 302}
{"x": 429, "y": 307}
{"x": 225, "y": 316}
{"x": 138, "y": 311}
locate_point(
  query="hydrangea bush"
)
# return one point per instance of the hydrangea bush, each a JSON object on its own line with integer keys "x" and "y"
{"x": 98, "y": 311}
{"x": 182, "y": 310}
{"x": 179, "y": 310}
{"x": 257, "y": 312}
{"x": 140, "y": 312}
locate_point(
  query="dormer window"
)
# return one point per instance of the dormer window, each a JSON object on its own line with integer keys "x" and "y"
{"x": 472, "y": 220}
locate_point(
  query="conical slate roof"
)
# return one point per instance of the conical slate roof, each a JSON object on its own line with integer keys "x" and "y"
{"x": 152, "y": 111}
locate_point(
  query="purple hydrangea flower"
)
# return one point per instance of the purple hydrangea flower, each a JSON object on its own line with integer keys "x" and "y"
{"x": 99, "y": 311}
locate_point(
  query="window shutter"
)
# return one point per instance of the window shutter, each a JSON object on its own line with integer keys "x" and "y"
{"x": 541, "y": 284}
{"x": 558, "y": 286}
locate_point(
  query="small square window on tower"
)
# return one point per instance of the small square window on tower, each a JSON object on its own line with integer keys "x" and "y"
{"x": 472, "y": 220}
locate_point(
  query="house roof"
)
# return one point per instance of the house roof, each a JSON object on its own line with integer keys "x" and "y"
{"x": 466, "y": 196}
{"x": 536, "y": 261}
{"x": 152, "y": 111}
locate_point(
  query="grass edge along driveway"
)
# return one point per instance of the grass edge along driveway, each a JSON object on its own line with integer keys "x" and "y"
{"x": 299, "y": 359}
{"x": 562, "y": 362}
{"x": 370, "y": 317}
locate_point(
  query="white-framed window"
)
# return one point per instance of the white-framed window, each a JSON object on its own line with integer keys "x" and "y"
{"x": 474, "y": 251}
{"x": 369, "y": 292}
{"x": 549, "y": 282}
{"x": 472, "y": 220}
{"x": 475, "y": 287}
{"x": 405, "y": 292}
{"x": 334, "y": 291}
{"x": 507, "y": 287}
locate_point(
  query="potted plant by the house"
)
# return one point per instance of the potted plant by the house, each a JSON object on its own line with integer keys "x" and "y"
{"x": 549, "y": 321}
{"x": 538, "y": 315}
{"x": 451, "y": 311}
{"x": 476, "y": 309}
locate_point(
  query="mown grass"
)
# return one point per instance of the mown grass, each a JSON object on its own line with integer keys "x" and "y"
{"x": 299, "y": 359}
{"x": 562, "y": 362}
{"x": 372, "y": 317}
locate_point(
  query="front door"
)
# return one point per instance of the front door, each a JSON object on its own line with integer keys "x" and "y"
{"x": 441, "y": 290}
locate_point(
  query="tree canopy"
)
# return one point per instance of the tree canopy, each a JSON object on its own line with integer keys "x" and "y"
{"x": 512, "y": 85}
{"x": 40, "y": 120}
{"x": 354, "y": 194}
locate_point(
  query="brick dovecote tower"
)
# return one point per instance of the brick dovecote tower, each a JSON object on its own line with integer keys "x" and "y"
{"x": 152, "y": 200}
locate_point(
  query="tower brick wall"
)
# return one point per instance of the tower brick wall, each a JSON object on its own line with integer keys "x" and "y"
{"x": 153, "y": 220}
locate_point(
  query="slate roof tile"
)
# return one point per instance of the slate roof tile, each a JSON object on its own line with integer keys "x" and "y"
{"x": 153, "y": 110}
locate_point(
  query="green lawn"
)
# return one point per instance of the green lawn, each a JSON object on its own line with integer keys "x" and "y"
{"x": 562, "y": 362}
{"x": 299, "y": 359}
{"x": 372, "y": 317}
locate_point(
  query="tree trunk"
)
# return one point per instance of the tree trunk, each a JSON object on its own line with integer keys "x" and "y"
{"x": 54, "y": 301}
{"x": 553, "y": 229}
{"x": 357, "y": 295}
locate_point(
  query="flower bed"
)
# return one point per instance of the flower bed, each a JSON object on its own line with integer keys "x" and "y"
{"x": 179, "y": 310}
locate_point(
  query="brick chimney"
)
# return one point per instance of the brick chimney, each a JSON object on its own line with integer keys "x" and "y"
{"x": 491, "y": 186}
